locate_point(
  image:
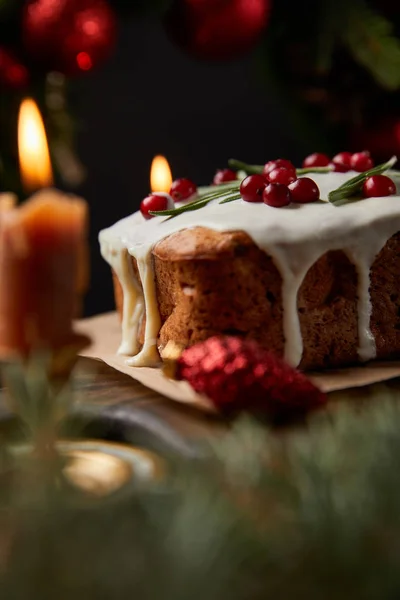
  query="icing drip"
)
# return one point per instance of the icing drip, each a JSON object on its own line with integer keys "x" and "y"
{"x": 366, "y": 340}
{"x": 295, "y": 237}
{"x": 292, "y": 272}
{"x": 362, "y": 253}
{"x": 148, "y": 355}
{"x": 133, "y": 305}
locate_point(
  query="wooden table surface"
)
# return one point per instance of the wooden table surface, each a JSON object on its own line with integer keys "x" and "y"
{"x": 113, "y": 406}
{"x": 116, "y": 406}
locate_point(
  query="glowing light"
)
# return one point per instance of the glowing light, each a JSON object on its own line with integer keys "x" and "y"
{"x": 34, "y": 156}
{"x": 161, "y": 176}
{"x": 84, "y": 61}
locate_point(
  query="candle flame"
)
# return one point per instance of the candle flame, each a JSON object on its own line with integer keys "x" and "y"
{"x": 34, "y": 156}
{"x": 161, "y": 176}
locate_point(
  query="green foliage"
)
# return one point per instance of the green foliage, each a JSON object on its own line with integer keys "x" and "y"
{"x": 310, "y": 513}
{"x": 371, "y": 40}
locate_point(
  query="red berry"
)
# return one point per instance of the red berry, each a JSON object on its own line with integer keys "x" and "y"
{"x": 223, "y": 176}
{"x": 361, "y": 161}
{"x": 304, "y": 190}
{"x": 282, "y": 175}
{"x": 339, "y": 167}
{"x": 251, "y": 188}
{"x": 316, "y": 160}
{"x": 153, "y": 202}
{"x": 377, "y": 186}
{"x": 343, "y": 158}
{"x": 277, "y": 195}
{"x": 278, "y": 163}
{"x": 183, "y": 189}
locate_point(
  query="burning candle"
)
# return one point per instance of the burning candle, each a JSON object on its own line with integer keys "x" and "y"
{"x": 160, "y": 175}
{"x": 43, "y": 253}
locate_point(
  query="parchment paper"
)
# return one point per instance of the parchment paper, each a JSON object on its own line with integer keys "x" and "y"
{"x": 105, "y": 332}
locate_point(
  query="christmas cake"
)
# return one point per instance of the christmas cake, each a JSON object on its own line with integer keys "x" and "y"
{"x": 306, "y": 262}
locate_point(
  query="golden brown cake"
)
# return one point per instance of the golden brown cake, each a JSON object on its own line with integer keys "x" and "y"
{"x": 315, "y": 283}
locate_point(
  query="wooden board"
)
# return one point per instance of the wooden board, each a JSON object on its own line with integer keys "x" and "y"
{"x": 111, "y": 405}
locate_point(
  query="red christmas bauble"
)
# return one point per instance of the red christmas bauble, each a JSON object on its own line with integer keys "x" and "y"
{"x": 217, "y": 29}
{"x": 382, "y": 140}
{"x": 240, "y": 375}
{"x": 70, "y": 36}
{"x": 13, "y": 74}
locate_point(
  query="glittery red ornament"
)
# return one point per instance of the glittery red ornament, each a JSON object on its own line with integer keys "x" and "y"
{"x": 13, "y": 74}
{"x": 70, "y": 36}
{"x": 239, "y": 375}
{"x": 217, "y": 29}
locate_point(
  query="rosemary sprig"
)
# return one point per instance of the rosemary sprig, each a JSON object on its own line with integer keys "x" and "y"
{"x": 354, "y": 186}
{"x": 229, "y": 192}
{"x": 225, "y": 192}
{"x": 305, "y": 170}
{"x": 222, "y": 186}
{"x": 258, "y": 169}
{"x": 238, "y": 165}
{"x": 231, "y": 198}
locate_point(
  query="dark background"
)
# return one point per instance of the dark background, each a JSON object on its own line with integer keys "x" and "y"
{"x": 153, "y": 99}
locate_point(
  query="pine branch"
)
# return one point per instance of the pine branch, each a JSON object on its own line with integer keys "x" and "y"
{"x": 305, "y": 514}
{"x": 371, "y": 40}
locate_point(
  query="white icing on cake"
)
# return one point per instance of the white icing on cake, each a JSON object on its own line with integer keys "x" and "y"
{"x": 295, "y": 237}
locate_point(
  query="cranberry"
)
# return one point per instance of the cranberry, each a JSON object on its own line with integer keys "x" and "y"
{"x": 223, "y": 176}
{"x": 316, "y": 160}
{"x": 361, "y": 161}
{"x": 153, "y": 202}
{"x": 277, "y": 195}
{"x": 282, "y": 175}
{"x": 304, "y": 190}
{"x": 377, "y": 186}
{"x": 278, "y": 163}
{"x": 183, "y": 189}
{"x": 339, "y": 167}
{"x": 344, "y": 159}
{"x": 251, "y": 188}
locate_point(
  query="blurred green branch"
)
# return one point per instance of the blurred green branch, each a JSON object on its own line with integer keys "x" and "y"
{"x": 308, "y": 514}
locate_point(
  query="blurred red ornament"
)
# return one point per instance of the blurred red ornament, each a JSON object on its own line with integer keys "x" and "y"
{"x": 239, "y": 375}
{"x": 217, "y": 29}
{"x": 382, "y": 140}
{"x": 13, "y": 74}
{"x": 70, "y": 36}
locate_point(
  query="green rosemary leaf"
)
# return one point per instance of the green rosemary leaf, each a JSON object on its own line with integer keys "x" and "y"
{"x": 354, "y": 185}
{"x": 313, "y": 170}
{"x": 174, "y": 212}
{"x": 215, "y": 193}
{"x": 242, "y": 166}
{"x": 231, "y": 198}
{"x": 258, "y": 169}
{"x": 211, "y": 189}
{"x": 220, "y": 193}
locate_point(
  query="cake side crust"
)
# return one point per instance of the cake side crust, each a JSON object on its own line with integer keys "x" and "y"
{"x": 220, "y": 283}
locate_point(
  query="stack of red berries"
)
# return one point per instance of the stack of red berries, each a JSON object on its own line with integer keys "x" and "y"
{"x": 342, "y": 162}
{"x": 374, "y": 186}
{"x": 279, "y": 186}
{"x": 182, "y": 190}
